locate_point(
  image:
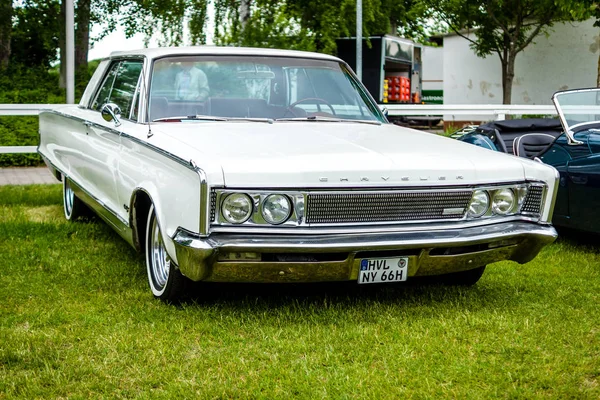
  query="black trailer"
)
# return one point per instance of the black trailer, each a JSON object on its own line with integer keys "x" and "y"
{"x": 391, "y": 67}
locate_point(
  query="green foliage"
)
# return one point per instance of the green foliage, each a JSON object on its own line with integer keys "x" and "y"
{"x": 22, "y": 85}
{"x": 313, "y": 25}
{"x": 77, "y": 320}
{"x": 35, "y": 33}
{"x": 19, "y": 131}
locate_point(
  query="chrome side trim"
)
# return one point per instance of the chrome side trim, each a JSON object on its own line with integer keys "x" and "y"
{"x": 204, "y": 201}
{"x": 173, "y": 157}
{"x": 554, "y": 193}
{"x": 55, "y": 171}
{"x": 112, "y": 214}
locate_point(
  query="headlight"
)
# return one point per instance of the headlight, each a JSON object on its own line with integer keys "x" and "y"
{"x": 503, "y": 201}
{"x": 479, "y": 203}
{"x": 276, "y": 209}
{"x": 237, "y": 208}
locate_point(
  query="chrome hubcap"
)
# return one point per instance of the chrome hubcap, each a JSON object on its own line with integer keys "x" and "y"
{"x": 159, "y": 259}
{"x": 69, "y": 198}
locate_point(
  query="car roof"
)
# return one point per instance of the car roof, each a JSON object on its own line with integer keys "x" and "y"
{"x": 159, "y": 52}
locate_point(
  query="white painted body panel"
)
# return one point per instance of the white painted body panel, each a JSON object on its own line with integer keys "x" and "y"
{"x": 303, "y": 154}
{"x": 112, "y": 167}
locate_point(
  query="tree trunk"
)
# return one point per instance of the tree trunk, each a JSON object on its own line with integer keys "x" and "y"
{"x": 393, "y": 28}
{"x": 508, "y": 75}
{"x": 6, "y": 12}
{"x": 244, "y": 13}
{"x": 82, "y": 35}
{"x": 598, "y": 74}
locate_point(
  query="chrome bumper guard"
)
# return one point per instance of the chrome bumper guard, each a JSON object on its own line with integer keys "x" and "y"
{"x": 429, "y": 253}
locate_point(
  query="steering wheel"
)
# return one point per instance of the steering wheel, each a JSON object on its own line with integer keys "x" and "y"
{"x": 290, "y": 108}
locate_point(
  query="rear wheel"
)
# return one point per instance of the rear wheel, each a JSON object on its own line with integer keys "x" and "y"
{"x": 164, "y": 278}
{"x": 72, "y": 206}
{"x": 462, "y": 278}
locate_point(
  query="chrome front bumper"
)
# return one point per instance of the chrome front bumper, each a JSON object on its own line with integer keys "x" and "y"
{"x": 315, "y": 258}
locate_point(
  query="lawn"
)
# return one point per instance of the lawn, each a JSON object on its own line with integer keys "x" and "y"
{"x": 78, "y": 321}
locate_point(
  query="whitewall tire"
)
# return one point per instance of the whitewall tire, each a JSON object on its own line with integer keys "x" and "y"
{"x": 164, "y": 278}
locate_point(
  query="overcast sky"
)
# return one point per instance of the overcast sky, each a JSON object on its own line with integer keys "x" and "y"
{"x": 117, "y": 41}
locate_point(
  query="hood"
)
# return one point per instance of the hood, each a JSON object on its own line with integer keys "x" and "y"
{"x": 335, "y": 154}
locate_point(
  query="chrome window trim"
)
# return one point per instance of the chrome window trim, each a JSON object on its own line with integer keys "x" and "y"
{"x": 101, "y": 83}
{"x": 378, "y": 114}
{"x": 138, "y": 96}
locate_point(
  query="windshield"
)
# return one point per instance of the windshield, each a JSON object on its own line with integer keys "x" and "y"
{"x": 257, "y": 87}
{"x": 578, "y": 108}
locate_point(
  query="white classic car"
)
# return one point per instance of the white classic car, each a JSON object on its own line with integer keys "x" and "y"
{"x": 256, "y": 165}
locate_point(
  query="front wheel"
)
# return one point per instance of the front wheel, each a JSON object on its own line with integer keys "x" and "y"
{"x": 166, "y": 282}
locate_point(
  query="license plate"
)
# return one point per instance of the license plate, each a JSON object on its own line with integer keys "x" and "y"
{"x": 378, "y": 270}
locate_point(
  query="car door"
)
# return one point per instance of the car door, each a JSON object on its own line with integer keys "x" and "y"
{"x": 104, "y": 137}
{"x": 558, "y": 156}
{"x": 584, "y": 184}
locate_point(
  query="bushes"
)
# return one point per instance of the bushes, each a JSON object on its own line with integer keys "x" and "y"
{"x": 19, "y": 131}
{"x": 23, "y": 85}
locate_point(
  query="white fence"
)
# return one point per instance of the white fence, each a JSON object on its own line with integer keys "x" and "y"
{"x": 23, "y": 109}
{"x": 450, "y": 112}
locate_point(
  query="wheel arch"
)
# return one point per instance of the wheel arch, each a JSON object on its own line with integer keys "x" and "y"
{"x": 140, "y": 204}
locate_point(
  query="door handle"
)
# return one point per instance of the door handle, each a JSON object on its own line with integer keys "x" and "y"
{"x": 87, "y": 123}
{"x": 579, "y": 179}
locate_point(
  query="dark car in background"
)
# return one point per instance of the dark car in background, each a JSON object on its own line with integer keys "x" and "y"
{"x": 571, "y": 144}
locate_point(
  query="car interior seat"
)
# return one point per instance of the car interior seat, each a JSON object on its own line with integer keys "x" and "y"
{"x": 531, "y": 145}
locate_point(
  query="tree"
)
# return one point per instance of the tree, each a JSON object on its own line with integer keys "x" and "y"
{"x": 504, "y": 27}
{"x": 6, "y": 13}
{"x": 312, "y": 24}
{"x": 82, "y": 34}
{"x": 35, "y": 33}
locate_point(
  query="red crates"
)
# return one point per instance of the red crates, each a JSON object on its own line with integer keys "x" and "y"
{"x": 398, "y": 88}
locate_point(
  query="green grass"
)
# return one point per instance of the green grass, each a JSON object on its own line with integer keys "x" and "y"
{"x": 77, "y": 320}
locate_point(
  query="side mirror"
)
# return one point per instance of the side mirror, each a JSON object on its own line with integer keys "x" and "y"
{"x": 111, "y": 112}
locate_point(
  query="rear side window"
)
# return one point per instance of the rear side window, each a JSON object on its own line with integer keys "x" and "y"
{"x": 119, "y": 87}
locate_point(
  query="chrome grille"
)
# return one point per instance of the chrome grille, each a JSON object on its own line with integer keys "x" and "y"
{"x": 352, "y": 207}
{"x": 213, "y": 205}
{"x": 533, "y": 200}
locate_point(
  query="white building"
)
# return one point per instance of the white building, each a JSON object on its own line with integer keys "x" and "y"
{"x": 565, "y": 59}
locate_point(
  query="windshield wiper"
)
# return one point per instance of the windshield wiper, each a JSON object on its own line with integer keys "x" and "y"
{"x": 210, "y": 118}
{"x": 190, "y": 117}
{"x": 329, "y": 119}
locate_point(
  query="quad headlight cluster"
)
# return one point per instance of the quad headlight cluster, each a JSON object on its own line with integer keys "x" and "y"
{"x": 260, "y": 208}
{"x": 506, "y": 200}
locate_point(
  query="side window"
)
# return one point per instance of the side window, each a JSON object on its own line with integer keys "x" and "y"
{"x": 119, "y": 87}
{"x": 103, "y": 95}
